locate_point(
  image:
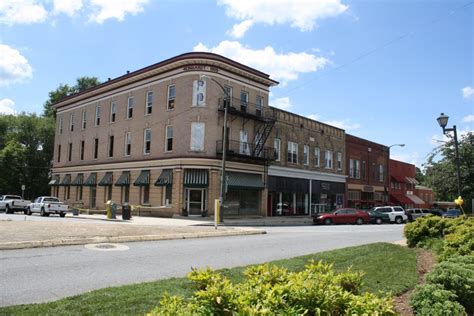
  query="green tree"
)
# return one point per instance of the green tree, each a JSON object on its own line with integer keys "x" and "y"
{"x": 441, "y": 174}
{"x": 420, "y": 177}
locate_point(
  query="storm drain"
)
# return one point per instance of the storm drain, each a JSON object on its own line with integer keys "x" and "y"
{"x": 106, "y": 247}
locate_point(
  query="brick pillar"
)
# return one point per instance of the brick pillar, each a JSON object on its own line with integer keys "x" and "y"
{"x": 263, "y": 202}
{"x": 214, "y": 188}
{"x": 85, "y": 196}
{"x": 99, "y": 200}
{"x": 177, "y": 191}
{"x": 116, "y": 189}
{"x": 155, "y": 192}
{"x": 135, "y": 198}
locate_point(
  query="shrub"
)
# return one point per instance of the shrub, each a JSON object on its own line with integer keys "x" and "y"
{"x": 460, "y": 239}
{"x": 433, "y": 299}
{"x": 424, "y": 228}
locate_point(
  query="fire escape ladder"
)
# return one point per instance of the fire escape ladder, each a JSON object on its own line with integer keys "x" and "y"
{"x": 261, "y": 137}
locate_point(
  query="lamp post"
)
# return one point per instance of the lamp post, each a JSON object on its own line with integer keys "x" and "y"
{"x": 443, "y": 121}
{"x": 388, "y": 169}
{"x": 224, "y": 147}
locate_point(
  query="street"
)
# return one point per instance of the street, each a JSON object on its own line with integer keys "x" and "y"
{"x": 45, "y": 274}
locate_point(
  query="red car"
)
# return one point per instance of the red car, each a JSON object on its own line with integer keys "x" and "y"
{"x": 343, "y": 216}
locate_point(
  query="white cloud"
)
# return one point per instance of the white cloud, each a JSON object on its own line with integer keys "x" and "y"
{"x": 282, "y": 67}
{"x": 413, "y": 157}
{"x": 239, "y": 30}
{"x": 68, "y": 7}
{"x": 315, "y": 117}
{"x": 6, "y": 106}
{"x": 301, "y": 14}
{"x": 281, "y": 103}
{"x": 14, "y": 67}
{"x": 468, "y": 92}
{"x": 115, "y": 9}
{"x": 21, "y": 12}
{"x": 468, "y": 118}
{"x": 345, "y": 124}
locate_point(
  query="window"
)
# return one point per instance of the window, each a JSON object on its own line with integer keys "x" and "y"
{"x": 169, "y": 138}
{"x": 70, "y": 152}
{"x": 354, "y": 169}
{"x": 111, "y": 146}
{"x": 79, "y": 193}
{"x": 381, "y": 173}
{"x": 199, "y": 93}
{"x": 82, "y": 149}
{"x": 244, "y": 144}
{"x": 149, "y": 102}
{"x": 60, "y": 125}
{"x": 197, "y": 136}
{"x": 84, "y": 119}
{"x": 147, "y": 141}
{"x": 171, "y": 96}
{"x": 317, "y": 157}
{"x": 339, "y": 161}
{"x": 128, "y": 143}
{"x": 354, "y": 195}
{"x": 97, "y": 115}
{"x": 328, "y": 159}
{"x": 145, "y": 194}
{"x": 276, "y": 146}
{"x": 130, "y": 107}
{"x": 228, "y": 96}
{"x": 306, "y": 154}
{"x": 259, "y": 106}
{"x": 96, "y": 148}
{"x": 292, "y": 152}
{"x": 363, "y": 170}
{"x": 113, "y": 110}
{"x": 71, "y": 122}
{"x": 244, "y": 101}
{"x": 59, "y": 153}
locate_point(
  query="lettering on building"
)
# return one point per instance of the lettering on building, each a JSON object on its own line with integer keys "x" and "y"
{"x": 201, "y": 68}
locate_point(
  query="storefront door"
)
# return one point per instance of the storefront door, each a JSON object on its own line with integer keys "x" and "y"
{"x": 196, "y": 199}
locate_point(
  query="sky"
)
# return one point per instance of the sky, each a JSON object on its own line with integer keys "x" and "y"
{"x": 382, "y": 70}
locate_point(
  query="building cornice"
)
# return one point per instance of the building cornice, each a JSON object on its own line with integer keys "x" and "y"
{"x": 305, "y": 174}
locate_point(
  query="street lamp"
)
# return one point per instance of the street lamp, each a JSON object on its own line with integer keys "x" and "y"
{"x": 224, "y": 147}
{"x": 388, "y": 169}
{"x": 443, "y": 121}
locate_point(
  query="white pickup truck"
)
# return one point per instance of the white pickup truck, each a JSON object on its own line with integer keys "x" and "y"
{"x": 13, "y": 203}
{"x": 395, "y": 213}
{"x": 46, "y": 205}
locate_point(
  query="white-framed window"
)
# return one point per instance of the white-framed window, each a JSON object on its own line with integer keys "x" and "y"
{"x": 97, "y": 115}
{"x": 328, "y": 159}
{"x": 277, "y": 147}
{"x": 95, "y": 153}
{"x": 317, "y": 156}
{"x": 60, "y": 124}
{"x": 171, "y": 97}
{"x": 147, "y": 141}
{"x": 381, "y": 173}
{"x": 84, "y": 119}
{"x": 292, "y": 152}
{"x": 197, "y": 136}
{"x": 71, "y": 122}
{"x": 113, "y": 111}
{"x": 339, "y": 160}
{"x": 228, "y": 96}
{"x": 354, "y": 195}
{"x": 244, "y": 100}
{"x": 306, "y": 154}
{"x": 128, "y": 143}
{"x": 244, "y": 144}
{"x": 129, "y": 107}
{"x": 354, "y": 169}
{"x": 199, "y": 93}
{"x": 169, "y": 138}
{"x": 111, "y": 146}
{"x": 259, "y": 105}
{"x": 149, "y": 103}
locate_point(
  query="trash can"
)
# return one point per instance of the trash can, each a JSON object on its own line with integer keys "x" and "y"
{"x": 126, "y": 211}
{"x": 111, "y": 209}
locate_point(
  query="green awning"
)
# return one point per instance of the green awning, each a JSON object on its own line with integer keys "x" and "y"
{"x": 106, "y": 179}
{"x": 143, "y": 178}
{"x": 91, "y": 181}
{"x": 78, "y": 180}
{"x": 54, "y": 180}
{"x": 124, "y": 179}
{"x": 244, "y": 181}
{"x": 196, "y": 178}
{"x": 165, "y": 178}
{"x": 66, "y": 180}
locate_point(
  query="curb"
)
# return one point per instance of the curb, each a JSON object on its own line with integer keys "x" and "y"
{"x": 121, "y": 239}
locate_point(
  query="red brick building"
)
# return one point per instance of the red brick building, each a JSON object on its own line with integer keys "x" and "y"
{"x": 366, "y": 165}
{"x": 426, "y": 194}
{"x": 402, "y": 185}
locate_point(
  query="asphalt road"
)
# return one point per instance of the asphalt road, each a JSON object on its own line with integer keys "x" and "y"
{"x": 45, "y": 274}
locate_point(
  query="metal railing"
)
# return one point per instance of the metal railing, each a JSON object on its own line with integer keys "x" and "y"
{"x": 240, "y": 107}
{"x": 246, "y": 150}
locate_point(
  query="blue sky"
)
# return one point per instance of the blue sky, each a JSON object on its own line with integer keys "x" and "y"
{"x": 382, "y": 70}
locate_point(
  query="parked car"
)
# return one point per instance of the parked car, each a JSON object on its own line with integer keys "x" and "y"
{"x": 414, "y": 213}
{"x": 377, "y": 217}
{"x": 342, "y": 216}
{"x": 437, "y": 212}
{"x": 452, "y": 213}
{"x": 395, "y": 213}
{"x": 46, "y": 205}
{"x": 13, "y": 203}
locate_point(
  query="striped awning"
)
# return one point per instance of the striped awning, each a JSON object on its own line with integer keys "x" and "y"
{"x": 124, "y": 179}
{"x": 66, "y": 180}
{"x": 165, "y": 178}
{"x": 91, "y": 181}
{"x": 78, "y": 180}
{"x": 106, "y": 179}
{"x": 244, "y": 181}
{"x": 196, "y": 178}
{"x": 411, "y": 180}
{"x": 415, "y": 199}
{"x": 143, "y": 178}
{"x": 54, "y": 180}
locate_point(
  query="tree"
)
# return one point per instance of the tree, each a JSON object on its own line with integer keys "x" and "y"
{"x": 420, "y": 177}
{"x": 441, "y": 174}
{"x": 64, "y": 90}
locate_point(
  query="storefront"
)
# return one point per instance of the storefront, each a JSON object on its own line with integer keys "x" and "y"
{"x": 243, "y": 194}
{"x": 364, "y": 196}
{"x": 196, "y": 183}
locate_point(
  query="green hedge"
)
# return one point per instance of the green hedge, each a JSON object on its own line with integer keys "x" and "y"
{"x": 433, "y": 299}
{"x": 272, "y": 290}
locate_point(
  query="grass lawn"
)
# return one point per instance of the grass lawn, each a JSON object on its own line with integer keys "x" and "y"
{"x": 388, "y": 268}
